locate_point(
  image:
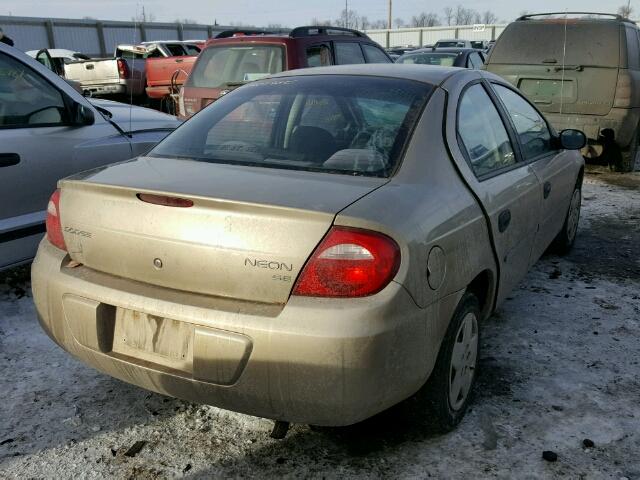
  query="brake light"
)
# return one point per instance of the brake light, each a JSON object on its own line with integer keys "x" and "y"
{"x": 622, "y": 97}
{"x": 123, "y": 69}
{"x": 349, "y": 262}
{"x": 54, "y": 228}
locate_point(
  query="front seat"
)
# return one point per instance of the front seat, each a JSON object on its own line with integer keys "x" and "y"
{"x": 315, "y": 143}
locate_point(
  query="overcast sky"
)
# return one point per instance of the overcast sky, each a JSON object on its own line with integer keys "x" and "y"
{"x": 285, "y": 12}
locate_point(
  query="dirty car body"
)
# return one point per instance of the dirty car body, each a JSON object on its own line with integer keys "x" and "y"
{"x": 298, "y": 250}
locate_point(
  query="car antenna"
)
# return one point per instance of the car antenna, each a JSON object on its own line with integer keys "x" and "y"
{"x": 133, "y": 67}
{"x": 564, "y": 55}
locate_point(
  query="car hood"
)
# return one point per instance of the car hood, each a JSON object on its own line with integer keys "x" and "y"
{"x": 132, "y": 118}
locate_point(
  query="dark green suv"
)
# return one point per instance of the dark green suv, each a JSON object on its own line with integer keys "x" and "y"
{"x": 583, "y": 71}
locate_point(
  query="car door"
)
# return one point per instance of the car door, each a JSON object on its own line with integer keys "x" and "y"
{"x": 38, "y": 146}
{"x": 552, "y": 165}
{"x": 506, "y": 188}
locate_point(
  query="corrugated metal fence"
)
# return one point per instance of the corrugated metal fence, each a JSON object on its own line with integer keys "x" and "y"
{"x": 430, "y": 35}
{"x": 96, "y": 38}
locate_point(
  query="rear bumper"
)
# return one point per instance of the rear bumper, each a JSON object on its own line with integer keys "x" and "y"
{"x": 106, "y": 89}
{"x": 316, "y": 361}
{"x": 622, "y": 121}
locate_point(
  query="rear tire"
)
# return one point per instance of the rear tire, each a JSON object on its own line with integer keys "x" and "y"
{"x": 448, "y": 391}
{"x": 563, "y": 243}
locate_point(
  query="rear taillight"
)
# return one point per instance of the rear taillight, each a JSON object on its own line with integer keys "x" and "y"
{"x": 622, "y": 98}
{"x": 54, "y": 228}
{"x": 349, "y": 262}
{"x": 123, "y": 69}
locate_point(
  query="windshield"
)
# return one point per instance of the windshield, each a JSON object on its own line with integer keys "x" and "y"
{"x": 227, "y": 64}
{"x": 333, "y": 123}
{"x": 443, "y": 59}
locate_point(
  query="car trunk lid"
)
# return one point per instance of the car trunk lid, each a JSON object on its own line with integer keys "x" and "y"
{"x": 246, "y": 236}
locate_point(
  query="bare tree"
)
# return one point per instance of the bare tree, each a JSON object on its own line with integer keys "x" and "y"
{"x": 143, "y": 17}
{"x": 425, "y": 19}
{"x": 378, "y": 24}
{"x": 448, "y": 15}
{"x": 463, "y": 16}
{"x": 399, "y": 23}
{"x": 625, "y": 10}
{"x": 488, "y": 17}
{"x": 349, "y": 19}
{"x": 364, "y": 22}
{"x": 319, "y": 23}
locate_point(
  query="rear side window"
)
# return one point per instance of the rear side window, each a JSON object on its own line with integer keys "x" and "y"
{"x": 348, "y": 53}
{"x": 318, "y": 56}
{"x": 191, "y": 49}
{"x": 633, "y": 54}
{"x": 227, "y": 65}
{"x": 374, "y": 54}
{"x": 475, "y": 61}
{"x": 542, "y": 43}
{"x": 353, "y": 125}
{"x": 482, "y": 133}
{"x": 531, "y": 128}
{"x": 175, "y": 50}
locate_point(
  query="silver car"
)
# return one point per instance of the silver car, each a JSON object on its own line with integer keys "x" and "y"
{"x": 314, "y": 247}
{"x": 49, "y": 131}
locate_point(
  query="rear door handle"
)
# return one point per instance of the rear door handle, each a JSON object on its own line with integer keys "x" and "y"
{"x": 9, "y": 159}
{"x": 546, "y": 189}
{"x": 179, "y": 60}
{"x": 504, "y": 219}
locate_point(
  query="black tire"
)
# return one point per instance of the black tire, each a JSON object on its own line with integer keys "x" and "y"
{"x": 564, "y": 241}
{"x": 442, "y": 416}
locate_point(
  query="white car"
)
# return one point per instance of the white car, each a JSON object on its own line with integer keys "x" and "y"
{"x": 49, "y": 131}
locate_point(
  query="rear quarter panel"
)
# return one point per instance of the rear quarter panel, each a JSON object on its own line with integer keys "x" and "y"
{"x": 426, "y": 204}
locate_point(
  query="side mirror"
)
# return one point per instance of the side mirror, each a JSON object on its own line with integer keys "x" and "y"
{"x": 82, "y": 115}
{"x": 571, "y": 139}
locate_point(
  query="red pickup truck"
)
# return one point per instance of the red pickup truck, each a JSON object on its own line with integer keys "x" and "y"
{"x": 170, "y": 60}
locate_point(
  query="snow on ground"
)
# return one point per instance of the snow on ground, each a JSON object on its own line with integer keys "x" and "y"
{"x": 560, "y": 364}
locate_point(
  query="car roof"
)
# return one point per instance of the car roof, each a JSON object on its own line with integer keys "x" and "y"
{"x": 434, "y": 75}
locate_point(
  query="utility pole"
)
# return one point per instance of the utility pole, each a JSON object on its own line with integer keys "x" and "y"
{"x": 389, "y": 16}
{"x": 346, "y": 13}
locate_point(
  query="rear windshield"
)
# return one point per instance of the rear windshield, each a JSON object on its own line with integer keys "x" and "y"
{"x": 542, "y": 42}
{"x": 224, "y": 65}
{"x": 444, "y": 59}
{"x": 331, "y": 123}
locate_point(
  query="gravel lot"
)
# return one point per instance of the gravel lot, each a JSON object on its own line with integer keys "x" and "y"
{"x": 560, "y": 364}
